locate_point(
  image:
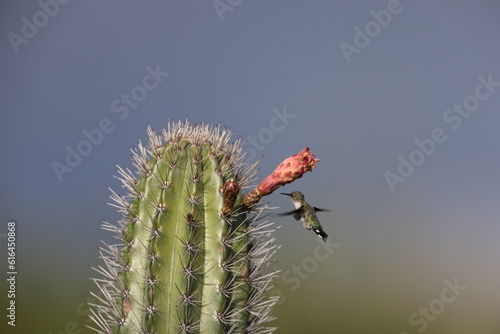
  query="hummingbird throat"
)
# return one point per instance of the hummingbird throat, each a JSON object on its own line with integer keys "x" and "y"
{"x": 297, "y": 204}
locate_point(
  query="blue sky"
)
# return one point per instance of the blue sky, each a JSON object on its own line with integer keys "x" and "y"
{"x": 276, "y": 72}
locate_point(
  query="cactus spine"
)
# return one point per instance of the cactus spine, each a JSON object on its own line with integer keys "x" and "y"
{"x": 190, "y": 256}
{"x": 192, "y": 249}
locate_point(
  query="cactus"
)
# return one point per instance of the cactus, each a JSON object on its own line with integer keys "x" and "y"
{"x": 193, "y": 250}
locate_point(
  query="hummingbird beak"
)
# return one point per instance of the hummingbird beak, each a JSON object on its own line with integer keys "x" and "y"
{"x": 285, "y": 194}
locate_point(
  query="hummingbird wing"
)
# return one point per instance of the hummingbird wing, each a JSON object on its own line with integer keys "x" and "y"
{"x": 320, "y": 209}
{"x": 295, "y": 213}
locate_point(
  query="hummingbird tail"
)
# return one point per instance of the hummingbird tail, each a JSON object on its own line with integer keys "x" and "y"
{"x": 321, "y": 234}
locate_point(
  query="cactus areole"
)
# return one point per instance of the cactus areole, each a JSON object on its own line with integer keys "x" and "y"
{"x": 192, "y": 251}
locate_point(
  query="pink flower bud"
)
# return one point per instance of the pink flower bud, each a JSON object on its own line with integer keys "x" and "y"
{"x": 289, "y": 170}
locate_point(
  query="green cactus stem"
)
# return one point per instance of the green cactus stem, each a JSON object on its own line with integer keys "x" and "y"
{"x": 191, "y": 256}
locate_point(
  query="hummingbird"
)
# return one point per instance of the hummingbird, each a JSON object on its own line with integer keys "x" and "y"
{"x": 306, "y": 213}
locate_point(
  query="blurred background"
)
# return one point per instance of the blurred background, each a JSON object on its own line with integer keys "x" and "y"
{"x": 411, "y": 250}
